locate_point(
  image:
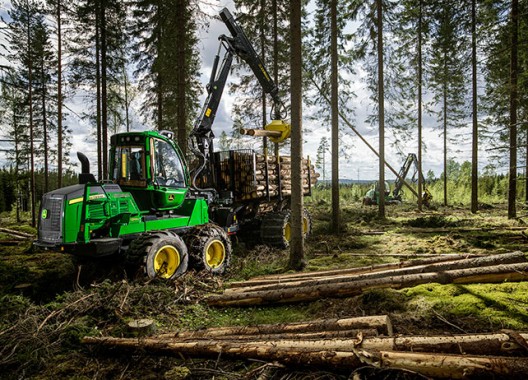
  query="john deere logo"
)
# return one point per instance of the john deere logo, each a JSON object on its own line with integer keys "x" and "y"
{"x": 44, "y": 214}
{"x": 171, "y": 197}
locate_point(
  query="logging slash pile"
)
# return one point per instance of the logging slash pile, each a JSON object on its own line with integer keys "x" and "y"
{"x": 253, "y": 176}
{"x": 352, "y": 343}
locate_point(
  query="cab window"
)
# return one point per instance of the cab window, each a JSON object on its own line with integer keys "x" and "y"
{"x": 129, "y": 166}
{"x": 168, "y": 167}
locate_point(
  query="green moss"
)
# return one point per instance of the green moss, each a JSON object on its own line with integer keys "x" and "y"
{"x": 499, "y": 305}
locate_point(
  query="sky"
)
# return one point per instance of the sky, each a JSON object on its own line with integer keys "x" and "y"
{"x": 361, "y": 162}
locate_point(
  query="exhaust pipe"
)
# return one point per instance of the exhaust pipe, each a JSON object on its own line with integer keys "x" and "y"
{"x": 85, "y": 176}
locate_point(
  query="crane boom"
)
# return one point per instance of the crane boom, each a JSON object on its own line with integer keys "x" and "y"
{"x": 201, "y": 137}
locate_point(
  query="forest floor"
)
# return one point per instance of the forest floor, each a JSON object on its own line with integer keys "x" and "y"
{"x": 48, "y": 301}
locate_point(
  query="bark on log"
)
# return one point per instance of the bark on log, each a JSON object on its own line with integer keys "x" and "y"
{"x": 488, "y": 274}
{"x": 381, "y": 323}
{"x": 316, "y": 335}
{"x": 456, "y": 366}
{"x": 261, "y": 280}
{"x": 507, "y": 258}
{"x": 241, "y": 350}
{"x": 469, "y": 344}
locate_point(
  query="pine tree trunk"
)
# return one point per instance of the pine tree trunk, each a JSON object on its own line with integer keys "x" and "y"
{"x": 420, "y": 79}
{"x": 104, "y": 91}
{"x": 59, "y": 96}
{"x": 181, "y": 75}
{"x": 488, "y": 274}
{"x": 474, "y": 148}
{"x": 297, "y": 260}
{"x": 512, "y": 190}
{"x": 335, "y": 118}
{"x": 44, "y": 129}
{"x": 381, "y": 111}
{"x": 456, "y": 366}
{"x": 98, "y": 89}
{"x": 445, "y": 129}
{"x": 284, "y": 278}
{"x": 381, "y": 323}
{"x": 509, "y": 258}
{"x": 31, "y": 127}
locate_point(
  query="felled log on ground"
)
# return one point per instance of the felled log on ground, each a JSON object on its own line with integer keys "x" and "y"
{"x": 353, "y": 353}
{"x": 457, "y": 366}
{"x": 381, "y": 323}
{"x": 316, "y": 335}
{"x": 283, "y": 278}
{"x": 497, "y": 344}
{"x": 488, "y": 274}
{"x": 506, "y": 258}
{"x": 16, "y": 234}
{"x": 267, "y": 352}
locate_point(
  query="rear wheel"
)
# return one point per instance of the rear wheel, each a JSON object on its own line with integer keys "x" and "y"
{"x": 210, "y": 248}
{"x": 163, "y": 253}
{"x": 276, "y": 228}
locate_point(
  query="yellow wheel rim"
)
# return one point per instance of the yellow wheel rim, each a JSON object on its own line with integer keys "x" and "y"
{"x": 306, "y": 225}
{"x": 215, "y": 253}
{"x": 166, "y": 261}
{"x": 287, "y": 231}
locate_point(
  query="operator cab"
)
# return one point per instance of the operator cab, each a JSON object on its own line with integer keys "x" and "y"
{"x": 151, "y": 167}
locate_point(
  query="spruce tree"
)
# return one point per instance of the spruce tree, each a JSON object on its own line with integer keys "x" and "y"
{"x": 166, "y": 61}
{"x": 449, "y": 59}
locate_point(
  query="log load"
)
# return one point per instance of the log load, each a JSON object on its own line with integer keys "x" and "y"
{"x": 253, "y": 176}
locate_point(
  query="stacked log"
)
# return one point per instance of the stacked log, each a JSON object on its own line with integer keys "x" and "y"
{"x": 248, "y": 171}
{"x": 319, "y": 343}
{"x": 490, "y": 269}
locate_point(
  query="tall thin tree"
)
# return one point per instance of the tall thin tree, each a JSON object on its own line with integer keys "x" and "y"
{"x": 296, "y": 260}
{"x": 381, "y": 110}
{"x": 512, "y": 185}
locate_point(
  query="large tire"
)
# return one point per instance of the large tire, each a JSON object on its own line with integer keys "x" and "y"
{"x": 209, "y": 248}
{"x": 275, "y": 229}
{"x": 163, "y": 254}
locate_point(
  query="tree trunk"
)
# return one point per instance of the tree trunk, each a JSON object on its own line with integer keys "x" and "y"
{"x": 445, "y": 129}
{"x": 44, "y": 128}
{"x": 381, "y": 323}
{"x": 265, "y": 351}
{"x": 302, "y": 351}
{"x": 296, "y": 261}
{"x": 98, "y": 89}
{"x": 181, "y": 69}
{"x": 491, "y": 274}
{"x": 510, "y": 258}
{"x": 420, "y": 79}
{"x": 512, "y": 190}
{"x": 474, "y": 147}
{"x": 381, "y": 111}
{"x": 283, "y": 278}
{"x": 31, "y": 128}
{"x": 104, "y": 91}
{"x": 335, "y": 117}
{"x": 456, "y": 366}
{"x": 59, "y": 96}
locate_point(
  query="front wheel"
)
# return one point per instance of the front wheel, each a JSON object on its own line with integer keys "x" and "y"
{"x": 164, "y": 255}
